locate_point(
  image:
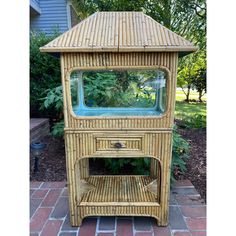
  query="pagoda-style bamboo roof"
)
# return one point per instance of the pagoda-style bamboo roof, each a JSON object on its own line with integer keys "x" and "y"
{"x": 119, "y": 32}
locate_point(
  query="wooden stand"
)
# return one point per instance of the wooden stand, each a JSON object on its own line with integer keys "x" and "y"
{"x": 143, "y": 136}
{"x": 146, "y": 45}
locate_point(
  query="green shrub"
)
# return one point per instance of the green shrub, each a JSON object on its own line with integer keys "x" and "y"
{"x": 58, "y": 129}
{"x": 44, "y": 74}
{"x": 193, "y": 121}
{"x": 196, "y": 121}
{"x": 141, "y": 166}
{"x": 117, "y": 89}
{"x": 138, "y": 166}
{"x": 180, "y": 153}
{"x": 53, "y": 99}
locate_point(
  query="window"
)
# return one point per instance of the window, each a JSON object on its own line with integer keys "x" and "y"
{"x": 118, "y": 92}
{"x": 72, "y": 18}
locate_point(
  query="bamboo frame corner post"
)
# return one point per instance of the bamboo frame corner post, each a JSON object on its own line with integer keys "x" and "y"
{"x": 118, "y": 41}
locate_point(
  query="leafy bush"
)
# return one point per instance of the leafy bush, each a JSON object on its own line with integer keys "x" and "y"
{"x": 193, "y": 121}
{"x": 141, "y": 166}
{"x": 180, "y": 153}
{"x": 58, "y": 129}
{"x": 196, "y": 121}
{"x": 118, "y": 88}
{"x": 44, "y": 74}
{"x": 53, "y": 99}
{"x": 138, "y": 166}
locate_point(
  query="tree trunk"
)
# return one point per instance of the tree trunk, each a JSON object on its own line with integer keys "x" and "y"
{"x": 200, "y": 96}
{"x": 188, "y": 94}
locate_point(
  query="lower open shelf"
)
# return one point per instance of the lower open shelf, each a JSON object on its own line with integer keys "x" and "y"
{"x": 119, "y": 191}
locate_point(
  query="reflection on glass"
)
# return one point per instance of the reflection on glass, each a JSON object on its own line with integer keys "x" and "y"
{"x": 113, "y": 92}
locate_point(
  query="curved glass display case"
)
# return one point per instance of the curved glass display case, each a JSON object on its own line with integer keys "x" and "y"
{"x": 118, "y": 92}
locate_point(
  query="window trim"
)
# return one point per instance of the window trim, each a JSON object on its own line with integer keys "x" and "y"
{"x": 68, "y": 5}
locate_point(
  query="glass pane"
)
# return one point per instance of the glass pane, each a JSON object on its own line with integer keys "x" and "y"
{"x": 122, "y": 92}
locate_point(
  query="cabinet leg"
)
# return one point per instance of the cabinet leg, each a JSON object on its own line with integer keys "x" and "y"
{"x": 76, "y": 222}
{"x": 162, "y": 222}
{"x": 79, "y": 221}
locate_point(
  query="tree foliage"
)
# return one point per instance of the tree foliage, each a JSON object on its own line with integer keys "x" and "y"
{"x": 84, "y": 8}
{"x": 44, "y": 73}
{"x": 119, "y": 88}
{"x": 192, "y": 74}
{"x": 185, "y": 17}
{"x": 199, "y": 81}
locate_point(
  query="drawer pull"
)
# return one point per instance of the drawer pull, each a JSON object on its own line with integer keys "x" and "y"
{"x": 118, "y": 144}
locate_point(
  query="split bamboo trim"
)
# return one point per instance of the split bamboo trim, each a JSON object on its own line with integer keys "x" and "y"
{"x": 85, "y": 61}
{"x": 117, "y": 32}
{"x": 129, "y": 191}
{"x": 86, "y": 144}
{"x": 107, "y": 59}
{"x": 84, "y": 211}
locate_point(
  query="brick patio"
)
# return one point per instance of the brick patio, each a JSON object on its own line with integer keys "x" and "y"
{"x": 49, "y": 215}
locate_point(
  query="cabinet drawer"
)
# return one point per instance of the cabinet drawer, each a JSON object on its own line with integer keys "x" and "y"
{"x": 118, "y": 143}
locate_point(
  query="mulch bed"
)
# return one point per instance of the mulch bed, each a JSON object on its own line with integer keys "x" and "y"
{"x": 196, "y": 164}
{"x": 52, "y": 165}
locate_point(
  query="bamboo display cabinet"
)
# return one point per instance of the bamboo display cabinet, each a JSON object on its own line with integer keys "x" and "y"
{"x": 119, "y": 45}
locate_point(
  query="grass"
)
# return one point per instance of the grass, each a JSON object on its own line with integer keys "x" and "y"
{"x": 180, "y": 96}
{"x": 183, "y": 109}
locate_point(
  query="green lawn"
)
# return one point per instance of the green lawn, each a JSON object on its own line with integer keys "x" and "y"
{"x": 180, "y": 96}
{"x": 183, "y": 109}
